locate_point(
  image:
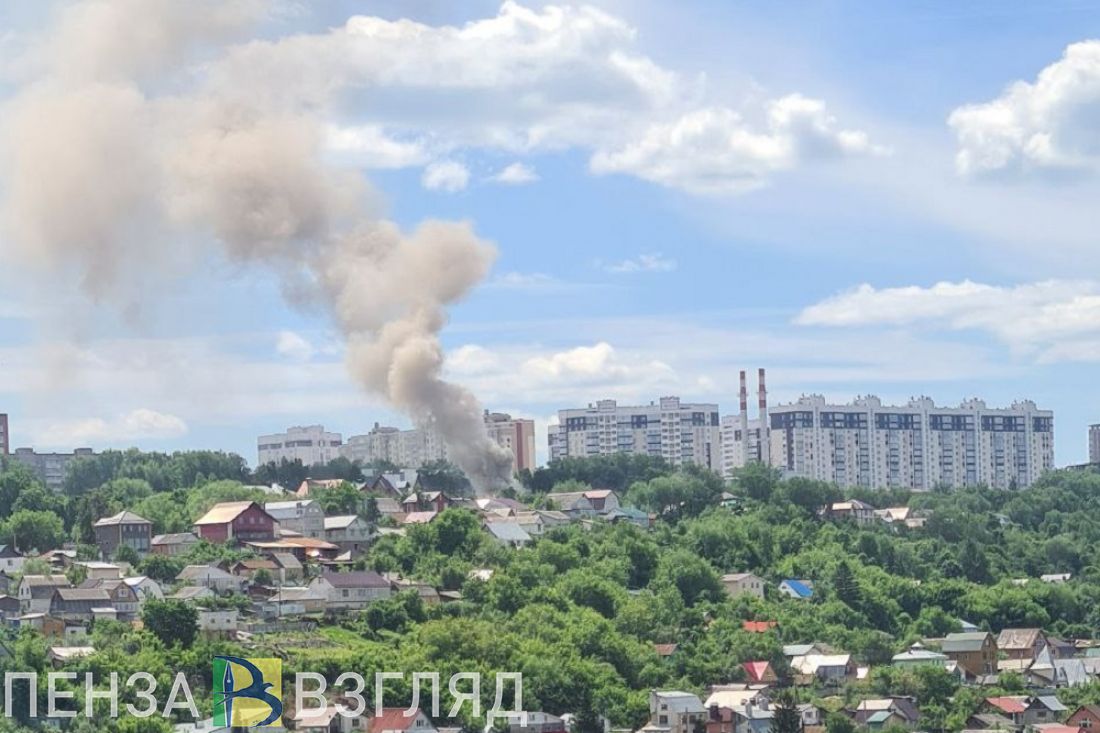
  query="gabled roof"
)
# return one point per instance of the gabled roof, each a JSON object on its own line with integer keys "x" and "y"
{"x": 390, "y": 719}
{"x": 123, "y": 517}
{"x": 737, "y": 577}
{"x": 286, "y": 561}
{"x": 191, "y": 592}
{"x": 756, "y": 671}
{"x": 419, "y": 517}
{"x": 970, "y": 641}
{"x": 195, "y": 572}
{"x": 342, "y": 522}
{"x": 33, "y": 581}
{"x": 801, "y": 588}
{"x": 83, "y": 594}
{"x": 508, "y": 531}
{"x": 1008, "y": 705}
{"x": 226, "y": 512}
{"x": 356, "y": 579}
{"x": 1018, "y": 638}
{"x": 175, "y": 538}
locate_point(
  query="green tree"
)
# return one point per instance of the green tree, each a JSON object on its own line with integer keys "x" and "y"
{"x": 173, "y": 622}
{"x": 757, "y": 480}
{"x": 32, "y": 530}
{"x": 787, "y": 717}
{"x": 846, "y": 586}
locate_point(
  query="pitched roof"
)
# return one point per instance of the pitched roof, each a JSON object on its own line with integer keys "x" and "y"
{"x": 286, "y": 561}
{"x": 33, "y": 581}
{"x": 123, "y": 517}
{"x": 801, "y": 588}
{"x": 736, "y": 577}
{"x": 508, "y": 531}
{"x": 1017, "y": 638}
{"x": 356, "y": 579}
{"x": 390, "y": 719}
{"x": 341, "y": 522}
{"x": 758, "y": 627}
{"x": 419, "y": 517}
{"x": 756, "y": 670}
{"x": 225, "y": 512}
{"x": 970, "y": 641}
{"x": 665, "y": 650}
{"x": 1010, "y": 705}
{"x": 83, "y": 594}
{"x": 175, "y": 538}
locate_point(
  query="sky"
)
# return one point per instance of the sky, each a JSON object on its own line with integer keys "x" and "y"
{"x": 863, "y": 198}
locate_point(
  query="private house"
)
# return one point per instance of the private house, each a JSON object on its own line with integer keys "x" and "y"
{"x": 332, "y": 717}
{"x": 858, "y": 511}
{"x": 10, "y": 608}
{"x": 288, "y": 601}
{"x": 974, "y": 651}
{"x": 419, "y": 517}
{"x": 306, "y": 487}
{"x": 880, "y": 713}
{"x": 11, "y": 560}
{"x": 173, "y": 544}
{"x": 351, "y": 591}
{"x": 247, "y": 569}
{"x": 1056, "y": 577}
{"x": 426, "y": 501}
{"x": 59, "y": 656}
{"x": 389, "y": 508}
{"x": 95, "y": 570}
{"x": 1024, "y": 644}
{"x": 427, "y": 593}
{"x": 1012, "y": 708}
{"x": 830, "y": 669}
{"x": 219, "y": 622}
{"x": 508, "y": 533}
{"x": 758, "y": 627}
{"x": 734, "y": 697}
{"x": 192, "y": 593}
{"x": 918, "y": 656}
{"x": 672, "y": 711}
{"x": 1043, "y": 709}
{"x": 740, "y": 584}
{"x": 1086, "y": 717}
{"x": 394, "y": 720}
{"x": 577, "y": 504}
{"x": 799, "y": 589}
{"x": 207, "y": 576}
{"x": 290, "y": 568}
{"x": 303, "y": 516}
{"x": 36, "y": 591}
{"x": 123, "y": 598}
{"x": 80, "y": 604}
{"x": 539, "y": 722}
{"x": 124, "y": 528}
{"x": 893, "y": 514}
{"x": 760, "y": 673}
{"x": 349, "y": 532}
{"x": 750, "y": 718}
{"x": 145, "y": 588}
{"x": 240, "y": 521}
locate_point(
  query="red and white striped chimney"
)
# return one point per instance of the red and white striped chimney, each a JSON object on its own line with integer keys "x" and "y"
{"x": 765, "y": 429}
{"x": 744, "y": 418}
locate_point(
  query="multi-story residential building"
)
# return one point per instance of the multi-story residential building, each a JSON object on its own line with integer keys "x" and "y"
{"x": 734, "y": 452}
{"x": 5, "y": 436}
{"x": 516, "y": 434}
{"x": 50, "y": 467}
{"x": 406, "y": 448}
{"x": 304, "y": 516}
{"x": 1094, "y": 442}
{"x": 309, "y": 444}
{"x": 124, "y": 528}
{"x": 680, "y": 432}
{"x": 916, "y": 446}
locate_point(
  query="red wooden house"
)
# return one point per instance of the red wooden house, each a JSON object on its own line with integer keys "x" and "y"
{"x": 240, "y": 521}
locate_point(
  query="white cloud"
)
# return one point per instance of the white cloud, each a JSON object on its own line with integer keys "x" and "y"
{"x": 370, "y": 147}
{"x": 294, "y": 346}
{"x": 1053, "y": 320}
{"x": 526, "y": 281}
{"x": 1048, "y": 124}
{"x": 516, "y": 174}
{"x": 647, "y": 262}
{"x": 140, "y": 425}
{"x": 534, "y": 80}
{"x": 447, "y": 175}
{"x": 715, "y": 151}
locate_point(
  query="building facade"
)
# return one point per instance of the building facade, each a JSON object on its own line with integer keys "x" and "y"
{"x": 1094, "y": 442}
{"x": 735, "y": 453}
{"x": 515, "y": 434}
{"x": 916, "y": 446}
{"x": 50, "y": 467}
{"x": 680, "y": 432}
{"x": 124, "y": 528}
{"x": 406, "y": 448}
{"x": 309, "y": 444}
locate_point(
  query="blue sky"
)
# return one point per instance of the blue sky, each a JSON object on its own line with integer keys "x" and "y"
{"x": 863, "y": 198}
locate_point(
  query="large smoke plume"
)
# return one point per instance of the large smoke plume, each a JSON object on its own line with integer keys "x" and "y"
{"x": 137, "y": 138}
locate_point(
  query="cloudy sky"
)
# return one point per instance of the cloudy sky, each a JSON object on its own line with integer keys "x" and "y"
{"x": 861, "y": 197}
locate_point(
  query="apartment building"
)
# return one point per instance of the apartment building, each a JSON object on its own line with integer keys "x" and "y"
{"x": 1094, "y": 442}
{"x": 917, "y": 446}
{"x": 406, "y": 448}
{"x": 516, "y": 434}
{"x": 50, "y": 467}
{"x": 680, "y": 432}
{"x": 309, "y": 444}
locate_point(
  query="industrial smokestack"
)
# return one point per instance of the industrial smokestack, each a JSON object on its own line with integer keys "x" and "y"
{"x": 746, "y": 458}
{"x": 765, "y": 443}
{"x": 177, "y": 146}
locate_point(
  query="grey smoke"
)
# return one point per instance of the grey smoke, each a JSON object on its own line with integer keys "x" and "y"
{"x": 128, "y": 149}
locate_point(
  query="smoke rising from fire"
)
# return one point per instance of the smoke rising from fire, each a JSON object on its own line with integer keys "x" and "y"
{"x": 129, "y": 148}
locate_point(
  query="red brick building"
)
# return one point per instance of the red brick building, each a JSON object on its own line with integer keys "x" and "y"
{"x": 240, "y": 521}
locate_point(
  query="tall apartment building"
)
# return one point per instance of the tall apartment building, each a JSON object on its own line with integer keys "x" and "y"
{"x": 1094, "y": 443}
{"x": 415, "y": 447}
{"x": 406, "y": 448}
{"x": 309, "y": 444}
{"x": 49, "y": 467}
{"x": 680, "y": 432}
{"x": 916, "y": 446}
{"x": 5, "y": 436}
{"x": 516, "y": 434}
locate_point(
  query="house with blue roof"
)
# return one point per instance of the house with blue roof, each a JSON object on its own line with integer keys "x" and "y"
{"x": 800, "y": 589}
